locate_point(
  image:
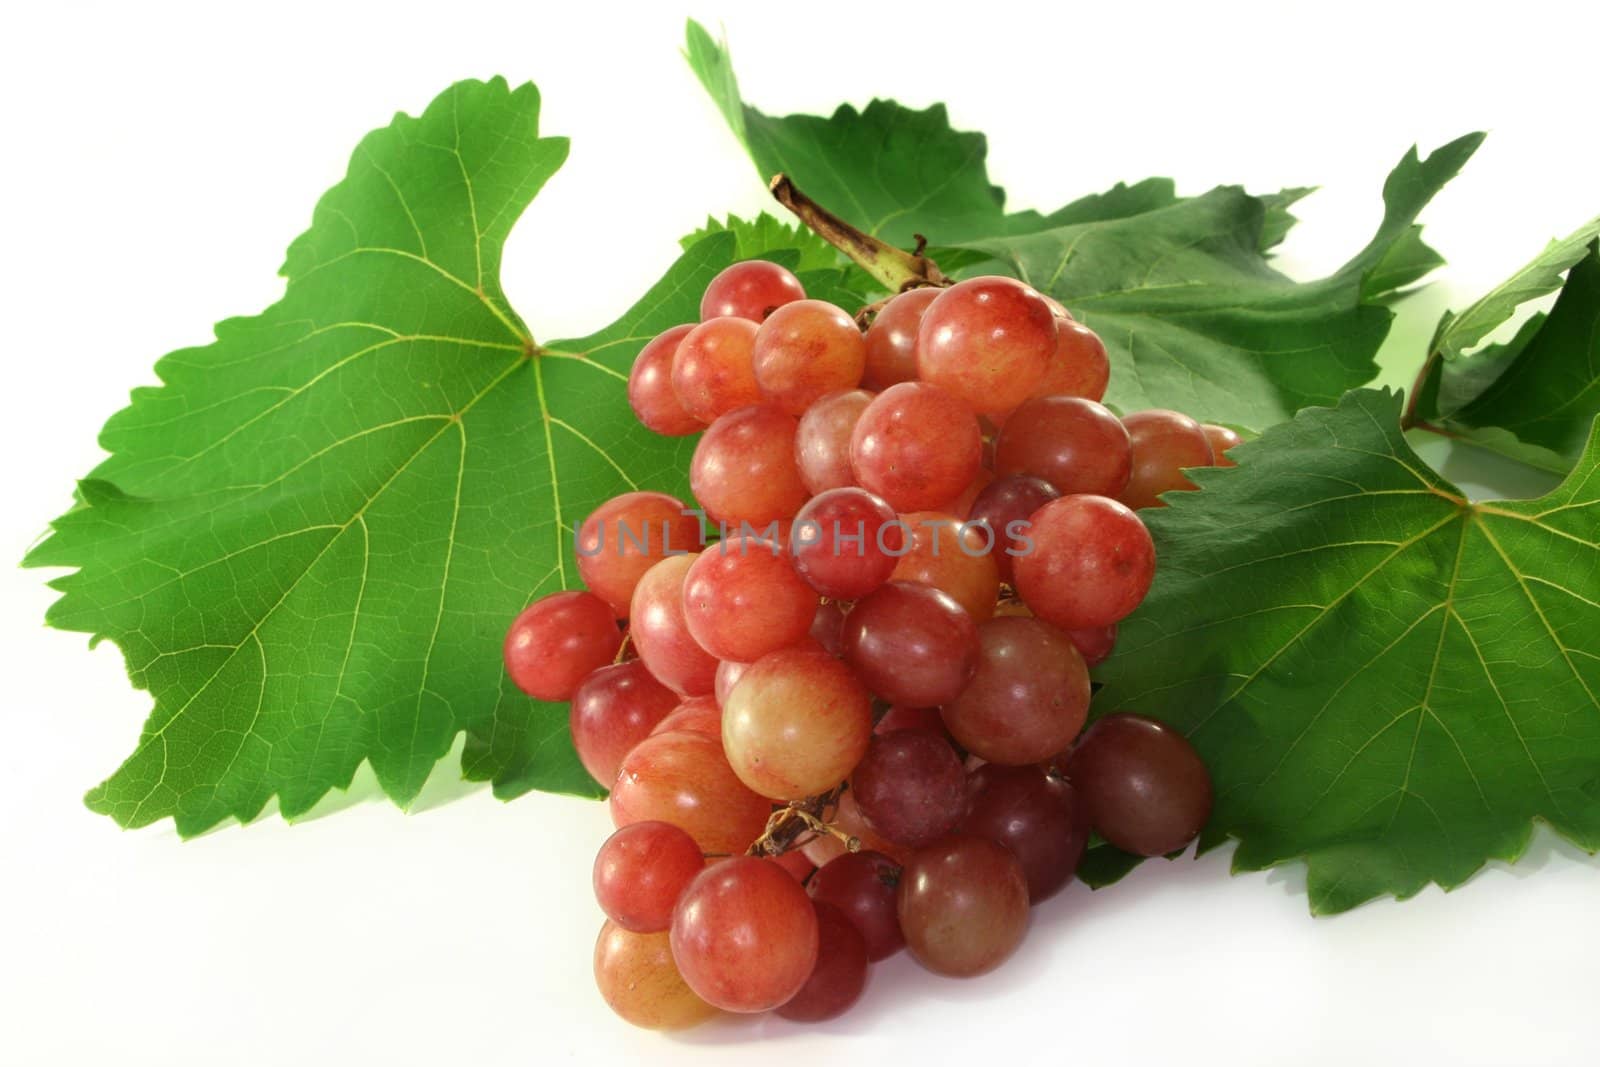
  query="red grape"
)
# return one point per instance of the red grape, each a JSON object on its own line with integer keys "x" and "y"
{"x": 641, "y": 871}
{"x": 1220, "y": 438}
{"x": 650, "y": 391}
{"x": 988, "y": 341}
{"x": 1091, "y": 564}
{"x": 840, "y": 974}
{"x": 558, "y": 641}
{"x": 845, "y": 543}
{"x": 638, "y": 978}
{"x": 796, "y": 724}
{"x": 711, "y": 372}
{"x": 822, "y": 442}
{"x": 916, "y": 446}
{"x": 661, "y": 634}
{"x": 795, "y": 863}
{"x": 684, "y": 779}
{"x": 1076, "y": 445}
{"x": 963, "y": 904}
{"x": 744, "y": 471}
{"x": 749, "y": 290}
{"x": 910, "y": 786}
{"x": 805, "y": 350}
{"x": 961, "y": 506}
{"x": 743, "y": 599}
{"x": 1080, "y": 366}
{"x": 697, "y": 715}
{"x": 1028, "y": 699}
{"x": 892, "y": 338}
{"x": 614, "y": 709}
{"x": 862, "y": 886}
{"x": 901, "y": 717}
{"x": 626, "y": 536}
{"x": 1094, "y": 643}
{"x": 827, "y": 628}
{"x": 1038, "y": 816}
{"x": 911, "y": 644}
{"x": 1005, "y": 507}
{"x": 1146, "y": 787}
{"x": 745, "y": 935}
{"x": 1164, "y": 442}
{"x": 954, "y": 558}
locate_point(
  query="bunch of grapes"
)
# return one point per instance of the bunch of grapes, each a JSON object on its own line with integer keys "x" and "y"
{"x": 852, "y": 723}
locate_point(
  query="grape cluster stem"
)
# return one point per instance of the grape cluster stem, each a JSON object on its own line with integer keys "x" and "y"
{"x": 894, "y": 268}
{"x": 788, "y": 824}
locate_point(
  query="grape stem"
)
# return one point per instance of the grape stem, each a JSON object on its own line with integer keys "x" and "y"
{"x": 789, "y": 824}
{"x": 894, "y": 268}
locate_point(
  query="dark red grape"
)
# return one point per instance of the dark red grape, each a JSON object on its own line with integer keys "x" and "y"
{"x": 1091, "y": 564}
{"x": 862, "y": 885}
{"x": 910, "y": 786}
{"x": 1164, "y": 442}
{"x": 1146, "y": 788}
{"x": 911, "y": 644}
{"x": 963, "y": 905}
{"x": 1038, "y": 816}
{"x": 1076, "y": 445}
{"x": 1005, "y": 507}
{"x": 840, "y": 974}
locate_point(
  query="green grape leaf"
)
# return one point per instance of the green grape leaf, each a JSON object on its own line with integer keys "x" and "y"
{"x": 1181, "y": 289}
{"x": 309, "y": 539}
{"x": 1535, "y": 396}
{"x": 1195, "y": 318}
{"x": 1386, "y": 680}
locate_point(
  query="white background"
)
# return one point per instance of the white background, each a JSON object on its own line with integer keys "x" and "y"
{"x": 156, "y": 164}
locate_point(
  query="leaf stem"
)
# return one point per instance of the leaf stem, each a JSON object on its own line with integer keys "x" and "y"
{"x": 895, "y": 269}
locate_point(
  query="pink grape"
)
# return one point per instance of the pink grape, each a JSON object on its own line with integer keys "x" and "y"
{"x": 638, "y": 979}
{"x": 1220, "y": 438}
{"x": 796, "y": 723}
{"x": 916, "y": 446}
{"x": 650, "y": 391}
{"x": 911, "y": 644}
{"x": 745, "y": 935}
{"x": 1094, "y": 643}
{"x": 1076, "y": 445}
{"x": 697, "y": 715}
{"x": 987, "y": 341}
{"x": 626, "y": 536}
{"x": 712, "y": 373}
{"x": 862, "y": 886}
{"x": 822, "y": 440}
{"x": 1164, "y": 442}
{"x": 892, "y": 338}
{"x": 845, "y": 543}
{"x": 661, "y": 634}
{"x": 954, "y": 558}
{"x": 744, "y": 469}
{"x": 840, "y": 974}
{"x": 641, "y": 871}
{"x": 742, "y": 598}
{"x": 1029, "y": 698}
{"x": 684, "y": 779}
{"x": 1092, "y": 562}
{"x": 1080, "y": 366}
{"x": 805, "y": 350}
{"x": 558, "y": 641}
{"x": 614, "y": 709}
{"x": 750, "y": 290}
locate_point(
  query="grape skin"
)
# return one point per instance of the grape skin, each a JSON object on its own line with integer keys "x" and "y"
{"x": 805, "y": 350}
{"x": 661, "y": 634}
{"x": 911, "y": 644}
{"x": 639, "y": 980}
{"x": 614, "y": 709}
{"x": 1092, "y": 563}
{"x": 558, "y": 641}
{"x": 891, "y": 339}
{"x": 745, "y": 935}
{"x": 711, "y": 370}
{"x": 910, "y": 786}
{"x": 1147, "y": 790}
{"x": 641, "y": 871}
{"x": 650, "y": 394}
{"x": 1075, "y": 445}
{"x": 744, "y": 471}
{"x": 697, "y": 715}
{"x": 822, "y": 440}
{"x": 916, "y": 446}
{"x": 1094, "y": 643}
{"x": 952, "y": 557}
{"x": 1220, "y": 438}
{"x": 840, "y": 974}
{"x": 963, "y": 905}
{"x": 862, "y": 886}
{"x": 1029, "y": 697}
{"x": 1005, "y": 508}
{"x": 1164, "y": 442}
{"x": 750, "y": 289}
{"x": 988, "y": 341}
{"x": 684, "y": 779}
{"x": 1080, "y": 367}
{"x": 742, "y": 598}
{"x": 845, "y": 543}
{"x": 796, "y": 723}
{"x": 1041, "y": 818}
{"x": 626, "y": 536}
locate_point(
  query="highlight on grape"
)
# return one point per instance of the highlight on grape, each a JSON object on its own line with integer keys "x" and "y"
{"x": 840, "y": 705}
